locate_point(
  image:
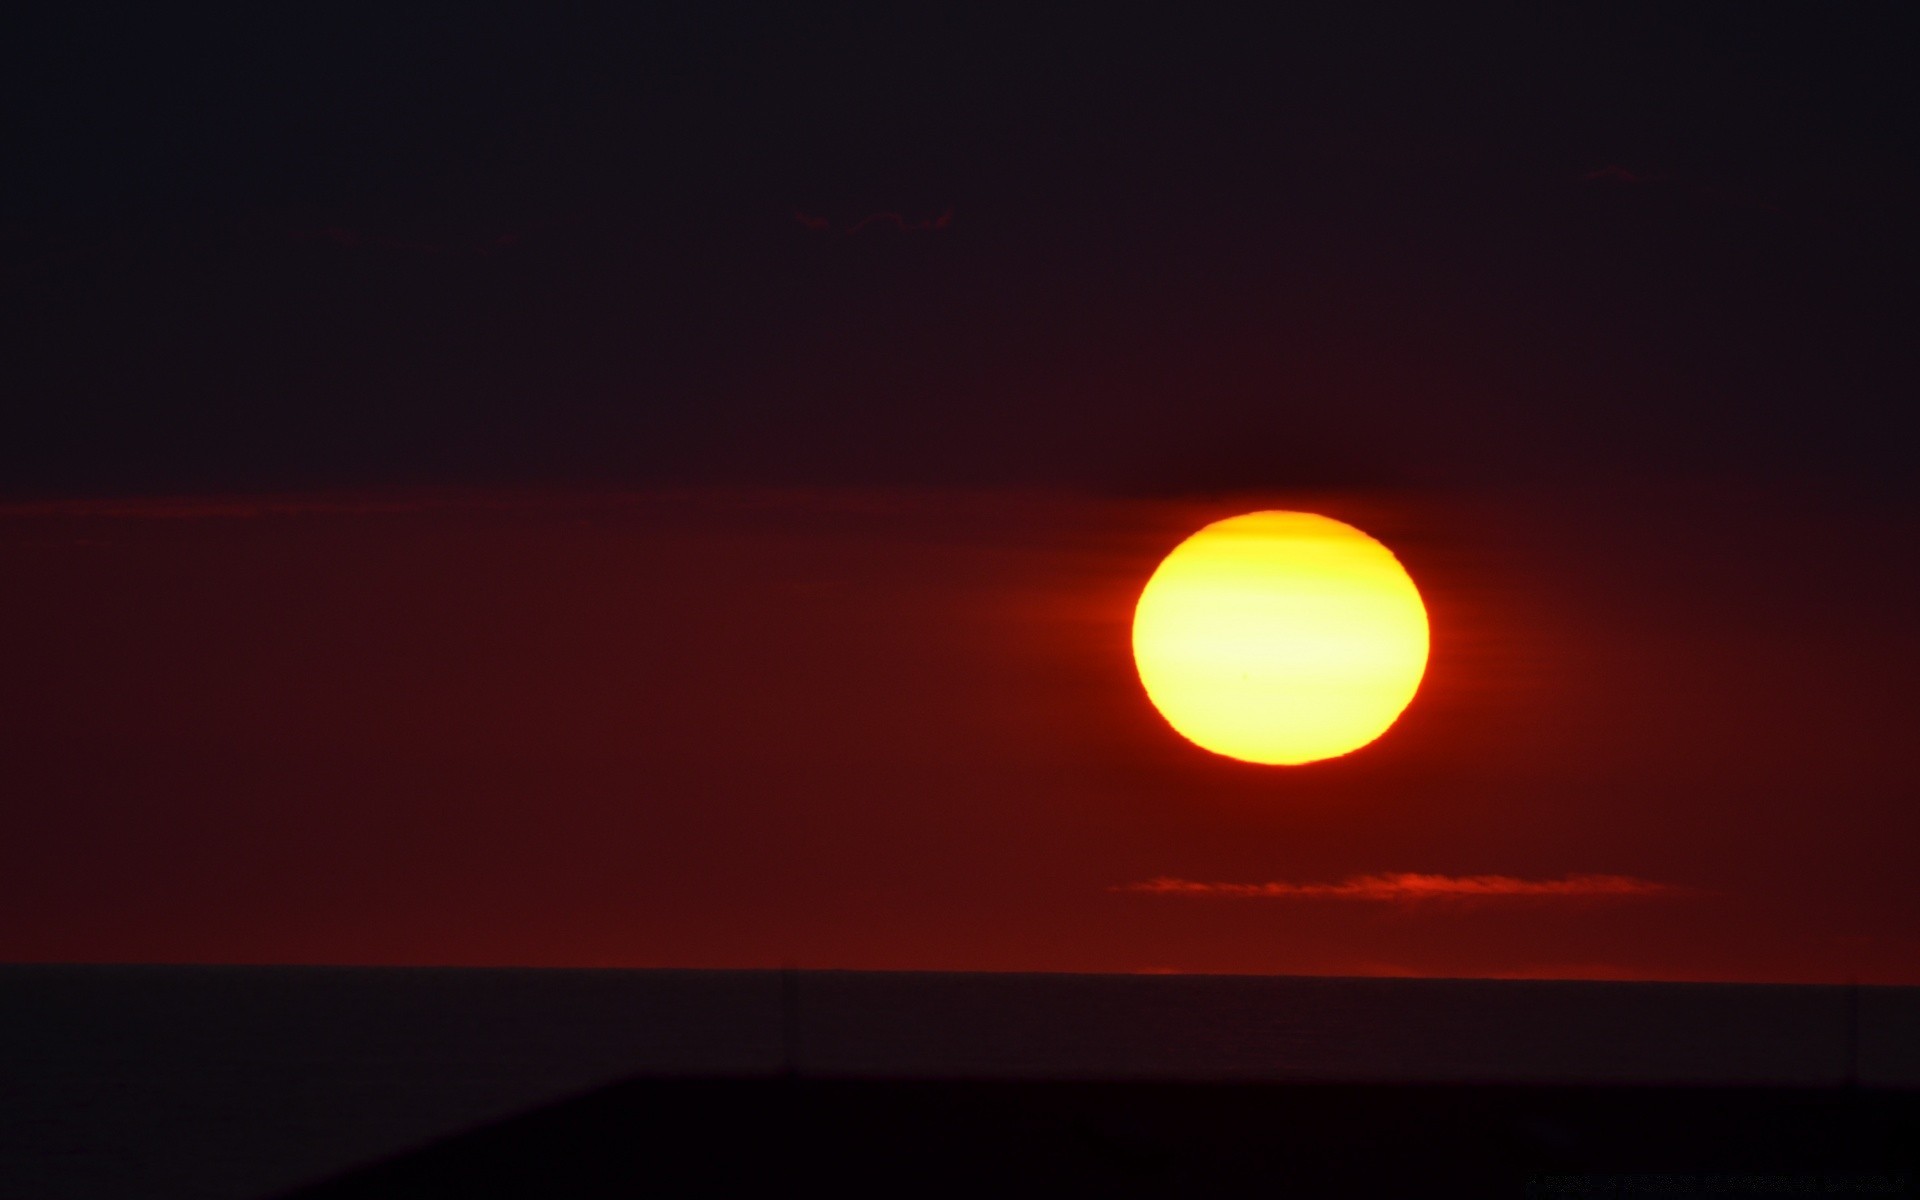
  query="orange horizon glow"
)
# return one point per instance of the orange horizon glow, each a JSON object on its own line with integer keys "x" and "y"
{"x": 1280, "y": 638}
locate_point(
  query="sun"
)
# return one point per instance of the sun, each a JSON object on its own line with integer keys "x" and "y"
{"x": 1280, "y": 638}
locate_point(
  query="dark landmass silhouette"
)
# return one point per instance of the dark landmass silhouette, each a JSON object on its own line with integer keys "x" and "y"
{"x": 229, "y": 1083}
{"x": 891, "y": 1137}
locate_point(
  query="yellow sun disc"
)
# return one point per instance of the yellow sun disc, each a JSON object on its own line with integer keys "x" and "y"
{"x": 1280, "y": 637}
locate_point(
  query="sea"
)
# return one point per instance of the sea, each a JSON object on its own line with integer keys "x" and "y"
{"x": 223, "y": 1082}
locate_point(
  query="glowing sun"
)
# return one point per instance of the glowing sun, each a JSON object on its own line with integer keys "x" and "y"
{"x": 1280, "y": 637}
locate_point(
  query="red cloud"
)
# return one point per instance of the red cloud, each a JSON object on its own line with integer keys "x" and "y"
{"x": 1408, "y": 886}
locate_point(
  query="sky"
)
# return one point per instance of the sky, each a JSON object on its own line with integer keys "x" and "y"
{"x": 669, "y": 488}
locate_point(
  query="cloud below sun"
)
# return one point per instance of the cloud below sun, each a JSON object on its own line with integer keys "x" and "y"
{"x": 1413, "y": 887}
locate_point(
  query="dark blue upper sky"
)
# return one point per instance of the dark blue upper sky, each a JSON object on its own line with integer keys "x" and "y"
{"x": 262, "y": 250}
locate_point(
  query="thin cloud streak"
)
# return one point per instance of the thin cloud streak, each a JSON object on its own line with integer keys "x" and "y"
{"x": 900, "y": 222}
{"x": 870, "y": 500}
{"x": 202, "y": 508}
{"x": 891, "y": 220}
{"x": 1411, "y": 887}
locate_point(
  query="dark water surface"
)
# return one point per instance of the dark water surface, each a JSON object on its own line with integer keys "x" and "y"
{"x": 223, "y": 1082}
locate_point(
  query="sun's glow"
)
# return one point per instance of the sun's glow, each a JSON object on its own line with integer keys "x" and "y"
{"x": 1280, "y": 637}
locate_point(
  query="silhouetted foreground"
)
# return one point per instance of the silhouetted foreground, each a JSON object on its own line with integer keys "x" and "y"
{"x": 756, "y": 1136}
{"x": 232, "y": 1083}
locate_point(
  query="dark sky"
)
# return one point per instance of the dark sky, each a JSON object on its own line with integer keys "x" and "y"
{"x": 667, "y": 485}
